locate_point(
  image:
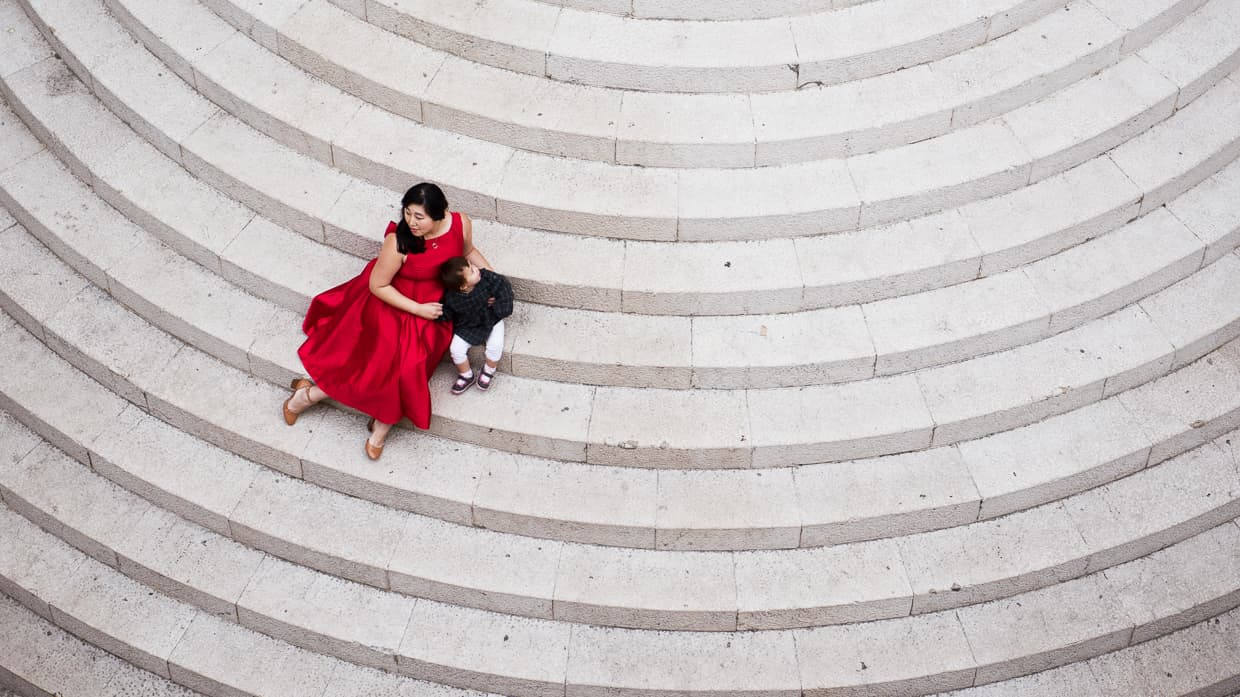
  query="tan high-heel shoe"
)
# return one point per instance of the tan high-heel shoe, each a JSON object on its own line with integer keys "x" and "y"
{"x": 298, "y": 384}
{"x": 372, "y": 451}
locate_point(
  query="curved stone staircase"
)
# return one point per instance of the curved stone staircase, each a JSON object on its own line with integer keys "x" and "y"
{"x": 864, "y": 348}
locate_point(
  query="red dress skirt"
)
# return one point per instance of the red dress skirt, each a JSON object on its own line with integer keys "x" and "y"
{"x": 371, "y": 356}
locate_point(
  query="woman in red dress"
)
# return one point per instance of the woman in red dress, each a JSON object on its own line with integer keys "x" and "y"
{"x": 372, "y": 343}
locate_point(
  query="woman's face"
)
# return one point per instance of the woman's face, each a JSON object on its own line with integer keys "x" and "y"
{"x": 418, "y": 221}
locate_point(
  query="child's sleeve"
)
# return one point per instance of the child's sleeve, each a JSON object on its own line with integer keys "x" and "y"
{"x": 449, "y": 314}
{"x": 503, "y": 297}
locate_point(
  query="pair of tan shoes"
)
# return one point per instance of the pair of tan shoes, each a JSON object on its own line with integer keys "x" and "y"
{"x": 290, "y": 417}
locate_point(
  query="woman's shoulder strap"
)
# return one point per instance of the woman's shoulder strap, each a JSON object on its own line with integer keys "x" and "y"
{"x": 391, "y": 229}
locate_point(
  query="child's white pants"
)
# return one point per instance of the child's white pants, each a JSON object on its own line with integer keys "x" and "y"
{"x": 495, "y": 345}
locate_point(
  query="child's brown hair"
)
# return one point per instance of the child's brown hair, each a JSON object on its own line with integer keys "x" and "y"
{"x": 452, "y": 272}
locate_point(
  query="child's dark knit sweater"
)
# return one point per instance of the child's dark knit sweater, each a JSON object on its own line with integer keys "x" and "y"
{"x": 471, "y": 317}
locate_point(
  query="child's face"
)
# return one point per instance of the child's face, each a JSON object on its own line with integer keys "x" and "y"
{"x": 472, "y": 275}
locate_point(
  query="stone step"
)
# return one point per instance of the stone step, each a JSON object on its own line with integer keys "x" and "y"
{"x": 749, "y": 55}
{"x": 582, "y": 197}
{"x": 1054, "y": 294}
{"x": 662, "y": 129}
{"x": 661, "y": 589}
{"x": 1070, "y": 621}
{"x": 39, "y": 659}
{"x": 705, "y": 10}
{"x": 753, "y": 427}
{"x": 771, "y": 508}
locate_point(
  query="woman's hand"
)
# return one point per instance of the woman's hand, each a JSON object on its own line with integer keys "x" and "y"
{"x": 430, "y": 311}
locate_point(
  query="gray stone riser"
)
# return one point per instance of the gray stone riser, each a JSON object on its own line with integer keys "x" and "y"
{"x": 706, "y": 132}
{"x": 1097, "y": 613}
{"x": 660, "y": 9}
{"x": 911, "y": 193}
{"x": 597, "y": 49}
{"x": 365, "y": 558}
{"x": 528, "y": 351}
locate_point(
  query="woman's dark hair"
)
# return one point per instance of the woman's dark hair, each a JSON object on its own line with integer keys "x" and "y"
{"x": 432, "y": 200}
{"x": 452, "y": 272}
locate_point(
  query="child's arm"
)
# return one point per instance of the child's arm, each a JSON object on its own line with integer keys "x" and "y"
{"x": 503, "y": 297}
{"x": 449, "y": 312}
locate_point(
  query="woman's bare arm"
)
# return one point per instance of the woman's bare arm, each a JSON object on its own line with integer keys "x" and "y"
{"x": 390, "y": 260}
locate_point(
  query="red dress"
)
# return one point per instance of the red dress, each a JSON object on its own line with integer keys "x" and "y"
{"x": 371, "y": 356}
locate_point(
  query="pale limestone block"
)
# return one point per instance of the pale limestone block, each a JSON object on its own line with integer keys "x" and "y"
{"x": 595, "y": 348}
{"x": 1189, "y": 147}
{"x": 1018, "y": 14}
{"x": 277, "y": 183}
{"x": 172, "y": 469}
{"x": 273, "y": 263}
{"x": 524, "y": 111}
{"x": 122, "y": 617}
{"x": 646, "y": 589}
{"x": 275, "y": 97}
{"x": 939, "y": 173}
{"x": 892, "y": 260}
{"x": 882, "y": 37}
{"x": 17, "y": 142}
{"x": 1054, "y": 214}
{"x": 566, "y": 500}
{"x": 218, "y": 657}
{"x": 695, "y": 9}
{"x": 1044, "y": 629}
{"x": 1065, "y": 45}
{"x": 786, "y": 350}
{"x": 719, "y": 278}
{"x": 587, "y": 198}
{"x": 1153, "y": 590}
{"x": 357, "y": 221}
{"x": 693, "y": 130}
{"x": 109, "y": 343}
{"x": 915, "y": 655}
{"x": 476, "y": 568}
{"x": 672, "y": 56}
{"x": 884, "y": 497}
{"x": 322, "y": 529}
{"x": 424, "y": 475}
{"x": 1199, "y": 51}
{"x": 1190, "y": 406}
{"x": 485, "y": 651}
{"x": 1055, "y": 458}
{"x": 260, "y": 20}
{"x": 829, "y": 585}
{"x": 84, "y": 36}
{"x": 69, "y": 416}
{"x": 605, "y": 660}
{"x": 185, "y": 562}
{"x": 1144, "y": 20}
{"x": 186, "y": 394}
{"x": 157, "y": 104}
{"x": 63, "y": 114}
{"x": 1198, "y": 661}
{"x": 1074, "y": 678}
{"x": 325, "y": 614}
{"x": 993, "y": 559}
{"x": 533, "y": 417}
{"x": 273, "y": 354}
{"x": 180, "y": 32}
{"x": 808, "y": 198}
{"x": 1208, "y": 210}
{"x": 956, "y": 322}
{"x": 33, "y": 564}
{"x": 508, "y": 34}
{"x": 817, "y": 122}
{"x": 1092, "y": 116}
{"x": 23, "y": 45}
{"x": 1198, "y": 314}
{"x": 672, "y": 429}
{"x": 351, "y": 681}
{"x": 189, "y": 302}
{"x": 391, "y": 73}
{"x": 127, "y": 681}
{"x": 838, "y": 422}
{"x": 162, "y": 198}
{"x": 1009, "y": 389}
{"x": 1160, "y": 506}
{"x": 541, "y": 267}
{"x": 727, "y": 510}
{"x": 34, "y": 284}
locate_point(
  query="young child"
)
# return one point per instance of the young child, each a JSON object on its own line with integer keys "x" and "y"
{"x": 476, "y": 301}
